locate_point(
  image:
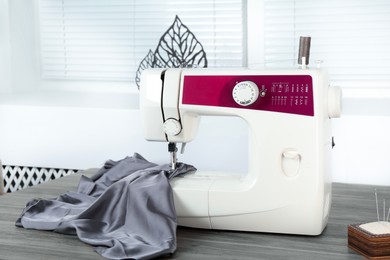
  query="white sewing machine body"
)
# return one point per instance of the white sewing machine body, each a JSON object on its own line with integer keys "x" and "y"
{"x": 288, "y": 185}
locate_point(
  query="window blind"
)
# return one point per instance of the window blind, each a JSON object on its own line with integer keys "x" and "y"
{"x": 107, "y": 39}
{"x": 351, "y": 37}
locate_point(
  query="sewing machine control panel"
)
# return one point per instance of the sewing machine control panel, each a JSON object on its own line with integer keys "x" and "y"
{"x": 277, "y": 93}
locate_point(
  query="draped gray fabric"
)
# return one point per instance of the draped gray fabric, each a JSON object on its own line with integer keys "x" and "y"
{"x": 125, "y": 210}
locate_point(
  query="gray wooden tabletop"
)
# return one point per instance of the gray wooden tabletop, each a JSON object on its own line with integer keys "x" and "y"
{"x": 350, "y": 204}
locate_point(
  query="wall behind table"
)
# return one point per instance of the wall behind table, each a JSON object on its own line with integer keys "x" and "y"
{"x": 362, "y": 152}
{"x": 65, "y": 137}
{"x": 84, "y": 137}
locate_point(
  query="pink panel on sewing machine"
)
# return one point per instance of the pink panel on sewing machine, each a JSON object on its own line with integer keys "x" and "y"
{"x": 291, "y": 94}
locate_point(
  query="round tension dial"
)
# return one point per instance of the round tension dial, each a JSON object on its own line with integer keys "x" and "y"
{"x": 245, "y": 93}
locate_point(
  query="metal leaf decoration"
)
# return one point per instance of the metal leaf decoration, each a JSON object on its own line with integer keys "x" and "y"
{"x": 177, "y": 47}
{"x": 149, "y": 61}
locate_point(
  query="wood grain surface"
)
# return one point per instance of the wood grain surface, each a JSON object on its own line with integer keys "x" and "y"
{"x": 350, "y": 204}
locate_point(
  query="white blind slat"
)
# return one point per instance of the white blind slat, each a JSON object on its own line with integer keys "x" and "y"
{"x": 352, "y": 37}
{"x": 107, "y": 39}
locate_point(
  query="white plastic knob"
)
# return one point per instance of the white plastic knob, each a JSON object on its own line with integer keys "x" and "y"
{"x": 245, "y": 93}
{"x": 172, "y": 127}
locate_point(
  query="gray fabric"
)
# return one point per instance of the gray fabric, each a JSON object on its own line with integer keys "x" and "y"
{"x": 125, "y": 210}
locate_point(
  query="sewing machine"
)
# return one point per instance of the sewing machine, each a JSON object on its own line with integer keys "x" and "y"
{"x": 287, "y": 188}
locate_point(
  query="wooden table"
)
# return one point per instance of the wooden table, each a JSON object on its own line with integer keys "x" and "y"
{"x": 351, "y": 204}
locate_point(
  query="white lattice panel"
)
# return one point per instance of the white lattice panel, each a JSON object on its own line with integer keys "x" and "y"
{"x": 19, "y": 177}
